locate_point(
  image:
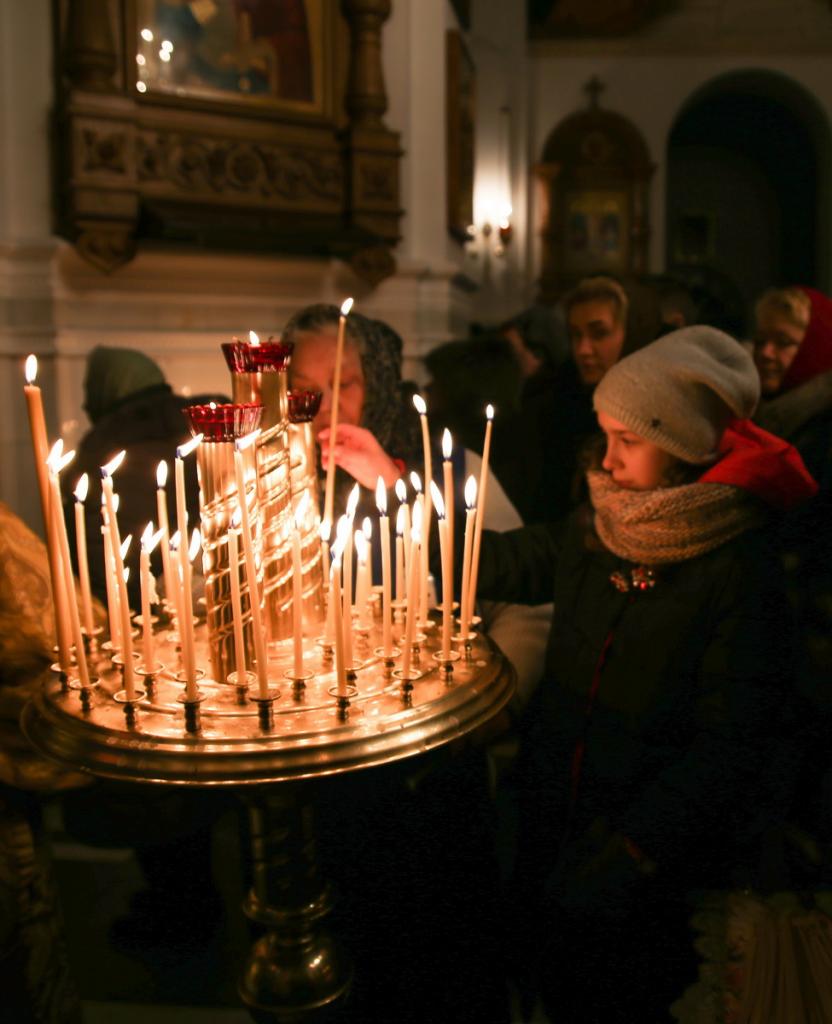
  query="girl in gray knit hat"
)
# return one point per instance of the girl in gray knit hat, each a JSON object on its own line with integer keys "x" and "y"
{"x": 660, "y": 746}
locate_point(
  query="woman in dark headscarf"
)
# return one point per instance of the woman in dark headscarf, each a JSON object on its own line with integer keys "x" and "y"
{"x": 378, "y": 427}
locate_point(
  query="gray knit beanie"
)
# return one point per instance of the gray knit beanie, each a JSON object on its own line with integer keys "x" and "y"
{"x": 681, "y": 391}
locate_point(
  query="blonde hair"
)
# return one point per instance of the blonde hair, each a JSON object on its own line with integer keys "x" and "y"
{"x": 599, "y": 289}
{"x": 791, "y": 303}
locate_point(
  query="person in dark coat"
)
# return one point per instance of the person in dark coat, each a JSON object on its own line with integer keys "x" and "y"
{"x": 131, "y": 407}
{"x": 658, "y": 754}
{"x": 793, "y": 355}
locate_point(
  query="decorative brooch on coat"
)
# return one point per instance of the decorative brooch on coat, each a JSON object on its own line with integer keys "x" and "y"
{"x": 639, "y": 578}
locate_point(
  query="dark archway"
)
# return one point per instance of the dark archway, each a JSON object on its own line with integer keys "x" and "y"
{"x": 747, "y": 192}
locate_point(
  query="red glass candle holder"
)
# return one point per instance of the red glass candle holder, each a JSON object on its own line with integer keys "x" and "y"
{"x": 266, "y": 357}
{"x": 304, "y": 405}
{"x": 225, "y": 422}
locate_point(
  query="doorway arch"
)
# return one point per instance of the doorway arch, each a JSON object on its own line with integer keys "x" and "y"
{"x": 748, "y": 161}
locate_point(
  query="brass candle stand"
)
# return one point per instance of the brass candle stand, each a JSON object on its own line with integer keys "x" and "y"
{"x": 275, "y": 748}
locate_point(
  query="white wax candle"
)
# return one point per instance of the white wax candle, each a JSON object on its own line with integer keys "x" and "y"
{"x": 297, "y": 588}
{"x": 362, "y": 584}
{"x": 335, "y": 598}
{"x": 56, "y": 513}
{"x": 162, "y": 516}
{"x": 470, "y": 515}
{"x": 329, "y": 494}
{"x": 81, "y": 553}
{"x": 448, "y": 483}
{"x": 251, "y": 568}
{"x": 236, "y": 604}
{"x": 475, "y": 554}
{"x": 146, "y": 585}
{"x": 186, "y": 621}
{"x": 113, "y": 613}
{"x": 424, "y": 542}
{"x": 384, "y": 539}
{"x": 447, "y": 577}
{"x": 412, "y": 605}
{"x": 125, "y": 626}
{"x": 400, "y": 570}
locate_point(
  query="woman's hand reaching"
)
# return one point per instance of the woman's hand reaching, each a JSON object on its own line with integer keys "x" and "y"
{"x": 358, "y": 453}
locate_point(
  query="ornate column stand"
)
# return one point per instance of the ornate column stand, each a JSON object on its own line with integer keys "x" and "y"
{"x": 296, "y": 971}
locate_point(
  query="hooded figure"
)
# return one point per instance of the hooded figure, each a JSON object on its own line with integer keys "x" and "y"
{"x": 661, "y": 746}
{"x": 131, "y": 407}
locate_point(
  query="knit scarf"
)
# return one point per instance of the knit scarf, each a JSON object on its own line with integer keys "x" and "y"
{"x": 669, "y": 524}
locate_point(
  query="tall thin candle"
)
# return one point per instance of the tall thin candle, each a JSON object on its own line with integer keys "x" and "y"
{"x": 482, "y": 490}
{"x": 335, "y": 598}
{"x": 56, "y": 462}
{"x": 251, "y": 566}
{"x": 81, "y": 490}
{"x": 448, "y": 483}
{"x": 236, "y": 601}
{"x": 422, "y": 409}
{"x": 400, "y": 528}
{"x": 470, "y": 514}
{"x": 149, "y": 540}
{"x": 447, "y": 570}
{"x": 37, "y": 427}
{"x": 329, "y": 494}
{"x": 412, "y": 587}
{"x": 186, "y": 622}
{"x": 384, "y": 539}
{"x": 162, "y": 516}
{"x": 125, "y": 626}
{"x": 297, "y": 586}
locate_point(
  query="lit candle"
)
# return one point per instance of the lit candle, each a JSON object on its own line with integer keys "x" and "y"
{"x": 236, "y": 601}
{"x": 335, "y": 598}
{"x": 149, "y": 540}
{"x": 37, "y": 427}
{"x": 412, "y": 588}
{"x": 162, "y": 516}
{"x": 401, "y": 494}
{"x": 55, "y": 463}
{"x": 470, "y": 514}
{"x": 240, "y": 446}
{"x": 81, "y": 490}
{"x": 186, "y": 622}
{"x": 367, "y": 530}
{"x": 400, "y": 528}
{"x": 113, "y": 613}
{"x": 297, "y": 585}
{"x": 448, "y": 484}
{"x": 422, "y": 409}
{"x": 384, "y": 537}
{"x": 352, "y": 504}
{"x": 447, "y": 570}
{"x": 329, "y": 494}
{"x": 475, "y": 555}
{"x": 125, "y": 626}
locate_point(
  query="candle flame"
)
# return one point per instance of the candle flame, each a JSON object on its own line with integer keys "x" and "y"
{"x": 184, "y": 450}
{"x": 82, "y": 487}
{"x": 242, "y": 443}
{"x": 342, "y": 530}
{"x": 55, "y": 453}
{"x": 116, "y": 500}
{"x": 416, "y": 527}
{"x": 173, "y": 543}
{"x": 31, "y": 369}
{"x": 109, "y": 468}
{"x": 196, "y": 543}
{"x": 416, "y": 482}
{"x": 489, "y": 411}
{"x": 301, "y": 510}
{"x": 346, "y": 306}
{"x": 125, "y": 546}
{"x": 212, "y": 405}
{"x": 154, "y": 540}
{"x": 438, "y": 500}
{"x": 147, "y": 533}
{"x": 401, "y": 519}
{"x": 401, "y": 490}
{"x": 420, "y": 405}
{"x": 447, "y": 443}
{"x": 126, "y": 573}
{"x": 161, "y": 474}
{"x": 367, "y": 528}
{"x": 470, "y": 492}
{"x": 253, "y": 338}
{"x": 237, "y": 519}
{"x": 352, "y": 502}
{"x": 338, "y": 550}
{"x": 381, "y": 497}
{"x": 360, "y": 542}
{"x": 325, "y": 530}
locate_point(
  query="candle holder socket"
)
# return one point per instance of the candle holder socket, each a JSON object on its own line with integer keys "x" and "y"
{"x": 327, "y": 649}
{"x": 241, "y": 685}
{"x": 343, "y": 700}
{"x": 388, "y": 658}
{"x": 265, "y": 709}
{"x": 193, "y": 722}
{"x": 91, "y": 639}
{"x": 446, "y": 664}
{"x": 298, "y": 683}
{"x": 130, "y": 705}
{"x": 63, "y": 676}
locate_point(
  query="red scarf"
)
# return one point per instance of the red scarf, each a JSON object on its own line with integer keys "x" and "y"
{"x": 815, "y": 353}
{"x": 763, "y": 464}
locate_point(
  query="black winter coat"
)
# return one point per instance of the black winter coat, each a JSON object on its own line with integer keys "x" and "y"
{"x": 685, "y": 736}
